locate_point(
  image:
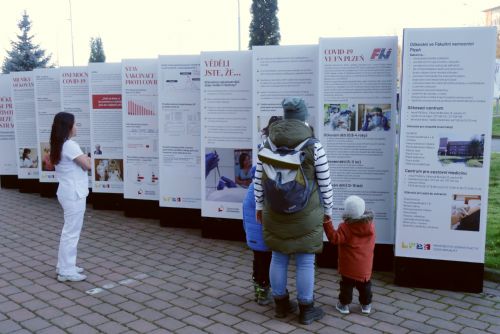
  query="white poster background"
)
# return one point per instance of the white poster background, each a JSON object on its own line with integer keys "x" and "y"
{"x": 279, "y": 72}
{"x": 23, "y": 101}
{"x": 140, "y": 128}
{"x": 8, "y": 158}
{"x": 75, "y": 100}
{"x": 179, "y": 131}
{"x": 356, "y": 76}
{"x": 47, "y": 105}
{"x": 106, "y": 127}
{"x": 444, "y": 159}
{"x": 226, "y": 115}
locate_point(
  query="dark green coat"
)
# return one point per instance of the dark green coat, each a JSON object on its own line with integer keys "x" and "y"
{"x": 299, "y": 232}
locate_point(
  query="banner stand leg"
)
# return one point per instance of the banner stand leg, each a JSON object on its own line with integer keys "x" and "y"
{"x": 107, "y": 201}
{"x": 180, "y": 217}
{"x": 9, "y": 182}
{"x": 29, "y": 186}
{"x": 383, "y": 259}
{"x": 135, "y": 208}
{"x": 439, "y": 274}
{"x": 224, "y": 229}
{"x": 48, "y": 189}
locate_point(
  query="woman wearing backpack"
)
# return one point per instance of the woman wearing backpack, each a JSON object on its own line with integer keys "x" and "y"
{"x": 299, "y": 233}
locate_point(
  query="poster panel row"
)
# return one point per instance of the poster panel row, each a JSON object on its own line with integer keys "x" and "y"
{"x": 184, "y": 130}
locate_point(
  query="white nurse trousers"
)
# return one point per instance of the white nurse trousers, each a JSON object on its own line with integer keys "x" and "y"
{"x": 74, "y": 211}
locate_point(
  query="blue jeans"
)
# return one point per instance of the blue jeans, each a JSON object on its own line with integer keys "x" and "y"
{"x": 304, "y": 275}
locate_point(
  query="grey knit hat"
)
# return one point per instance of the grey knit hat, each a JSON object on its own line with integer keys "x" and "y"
{"x": 294, "y": 108}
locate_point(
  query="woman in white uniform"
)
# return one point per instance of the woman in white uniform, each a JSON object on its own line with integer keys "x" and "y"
{"x": 71, "y": 166}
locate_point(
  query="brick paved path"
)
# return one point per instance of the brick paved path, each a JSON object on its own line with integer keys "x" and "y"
{"x": 148, "y": 279}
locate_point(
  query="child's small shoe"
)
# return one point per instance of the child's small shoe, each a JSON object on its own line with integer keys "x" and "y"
{"x": 262, "y": 294}
{"x": 366, "y": 309}
{"x": 344, "y": 309}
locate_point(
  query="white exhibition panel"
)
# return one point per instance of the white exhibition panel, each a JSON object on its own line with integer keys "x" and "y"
{"x": 8, "y": 158}
{"x": 47, "y": 105}
{"x": 357, "y": 90}
{"x": 106, "y": 136}
{"x": 23, "y": 101}
{"x": 75, "y": 100}
{"x": 226, "y": 134}
{"x": 179, "y": 131}
{"x": 140, "y": 128}
{"x": 444, "y": 159}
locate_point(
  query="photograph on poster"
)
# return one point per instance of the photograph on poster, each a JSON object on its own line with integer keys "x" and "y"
{"x": 453, "y": 150}
{"x": 97, "y": 150}
{"x": 28, "y": 157}
{"x": 466, "y": 212}
{"x": 374, "y": 117}
{"x": 339, "y": 117}
{"x": 227, "y": 174}
{"x": 110, "y": 170}
{"x": 47, "y": 165}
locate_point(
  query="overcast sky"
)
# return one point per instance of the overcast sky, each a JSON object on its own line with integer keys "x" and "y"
{"x": 147, "y": 28}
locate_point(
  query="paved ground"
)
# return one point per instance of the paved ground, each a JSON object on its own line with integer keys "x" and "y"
{"x": 148, "y": 279}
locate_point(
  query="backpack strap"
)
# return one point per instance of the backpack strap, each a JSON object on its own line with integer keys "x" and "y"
{"x": 305, "y": 143}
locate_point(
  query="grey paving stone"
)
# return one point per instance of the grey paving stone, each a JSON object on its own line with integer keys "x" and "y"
{"x": 112, "y": 327}
{"x": 390, "y": 328}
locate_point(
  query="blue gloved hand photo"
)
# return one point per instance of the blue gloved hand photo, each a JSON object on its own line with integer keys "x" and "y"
{"x": 211, "y": 162}
{"x": 229, "y": 183}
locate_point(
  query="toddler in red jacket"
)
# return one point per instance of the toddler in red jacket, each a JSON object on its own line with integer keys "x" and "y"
{"x": 355, "y": 238}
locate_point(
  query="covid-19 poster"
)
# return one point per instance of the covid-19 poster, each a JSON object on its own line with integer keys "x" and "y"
{"x": 75, "y": 100}
{"x": 179, "y": 131}
{"x": 357, "y": 89}
{"x": 140, "y": 128}
{"x": 106, "y": 127}
{"x": 47, "y": 105}
{"x": 279, "y": 72}
{"x": 23, "y": 102}
{"x": 444, "y": 158}
{"x": 8, "y": 158}
{"x": 226, "y": 132}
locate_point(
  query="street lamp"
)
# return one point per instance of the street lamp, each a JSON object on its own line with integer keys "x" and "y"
{"x": 239, "y": 33}
{"x": 71, "y": 25}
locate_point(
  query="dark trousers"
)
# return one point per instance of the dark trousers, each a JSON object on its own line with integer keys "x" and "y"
{"x": 364, "y": 288}
{"x": 261, "y": 264}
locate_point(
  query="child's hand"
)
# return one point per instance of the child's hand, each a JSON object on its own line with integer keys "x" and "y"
{"x": 258, "y": 216}
{"x": 327, "y": 219}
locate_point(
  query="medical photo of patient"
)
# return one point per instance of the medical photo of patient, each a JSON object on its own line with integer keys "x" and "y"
{"x": 227, "y": 174}
{"x": 339, "y": 117}
{"x": 466, "y": 212}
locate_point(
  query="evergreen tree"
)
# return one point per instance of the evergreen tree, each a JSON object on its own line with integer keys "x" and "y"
{"x": 96, "y": 51}
{"x": 24, "y": 56}
{"x": 264, "y": 28}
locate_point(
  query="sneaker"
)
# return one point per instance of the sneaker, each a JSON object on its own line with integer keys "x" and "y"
{"x": 366, "y": 309}
{"x": 79, "y": 270}
{"x": 263, "y": 295}
{"x": 344, "y": 309}
{"x": 71, "y": 278}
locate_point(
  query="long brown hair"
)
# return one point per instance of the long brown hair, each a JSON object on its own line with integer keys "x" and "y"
{"x": 61, "y": 129}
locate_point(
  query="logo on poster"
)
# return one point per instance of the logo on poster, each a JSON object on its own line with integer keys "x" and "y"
{"x": 415, "y": 245}
{"x": 220, "y": 208}
{"x": 381, "y": 54}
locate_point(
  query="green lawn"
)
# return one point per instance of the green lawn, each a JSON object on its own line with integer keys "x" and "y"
{"x": 493, "y": 228}
{"x": 496, "y": 126}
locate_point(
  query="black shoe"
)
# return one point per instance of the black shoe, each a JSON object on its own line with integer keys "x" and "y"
{"x": 309, "y": 313}
{"x": 284, "y": 306}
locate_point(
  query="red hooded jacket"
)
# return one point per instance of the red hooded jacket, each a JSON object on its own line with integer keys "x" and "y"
{"x": 356, "y": 242}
